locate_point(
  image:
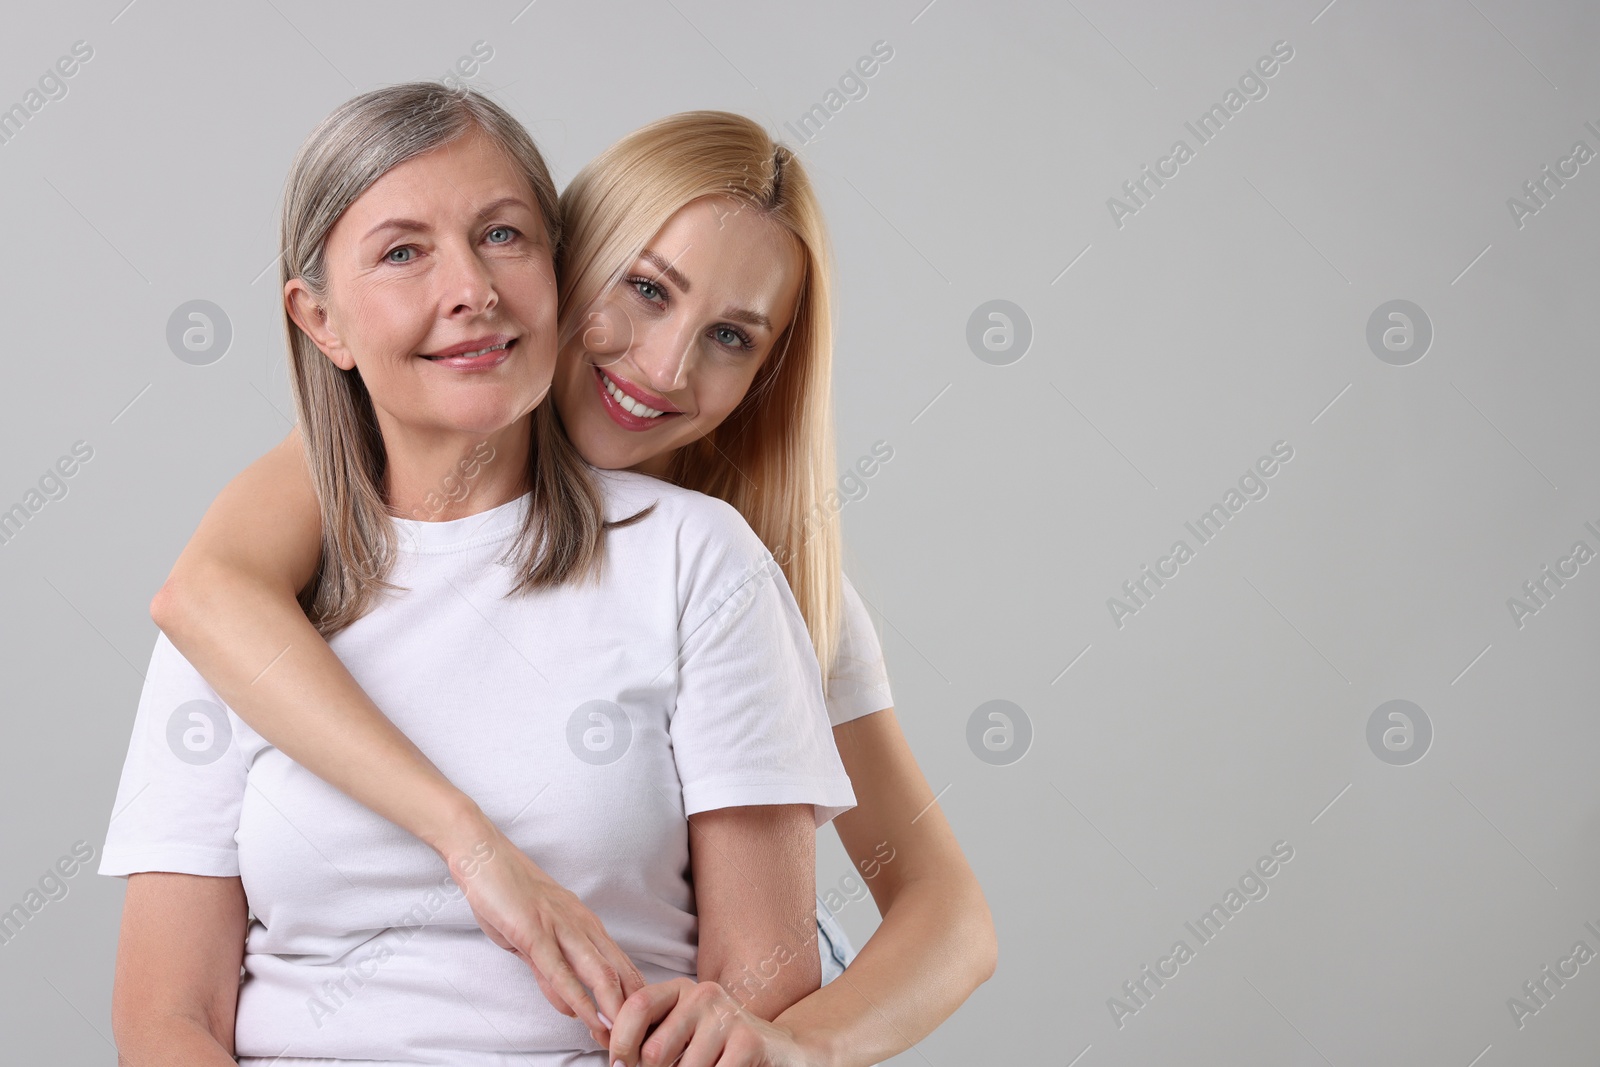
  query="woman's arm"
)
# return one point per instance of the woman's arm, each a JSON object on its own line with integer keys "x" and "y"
{"x": 230, "y": 607}
{"x": 936, "y": 943}
{"x": 177, "y": 979}
{"x": 755, "y": 874}
{"x": 755, "y": 877}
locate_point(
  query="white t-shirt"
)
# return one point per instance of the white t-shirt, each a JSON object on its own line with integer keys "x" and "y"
{"x": 859, "y": 683}
{"x": 588, "y": 722}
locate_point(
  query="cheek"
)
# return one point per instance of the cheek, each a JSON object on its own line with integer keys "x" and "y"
{"x": 527, "y": 289}
{"x": 384, "y": 324}
{"x": 721, "y": 387}
{"x": 384, "y": 327}
{"x": 530, "y": 290}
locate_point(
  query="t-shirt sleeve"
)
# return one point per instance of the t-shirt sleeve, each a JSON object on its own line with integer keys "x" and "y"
{"x": 183, "y": 782}
{"x": 749, "y": 725}
{"x": 859, "y": 684}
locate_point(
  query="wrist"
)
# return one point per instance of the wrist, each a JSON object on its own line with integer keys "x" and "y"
{"x": 457, "y": 828}
{"x": 818, "y": 1046}
{"x": 819, "y": 1050}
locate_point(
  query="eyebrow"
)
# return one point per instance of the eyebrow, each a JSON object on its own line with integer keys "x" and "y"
{"x": 752, "y": 318}
{"x": 413, "y": 226}
{"x": 673, "y": 274}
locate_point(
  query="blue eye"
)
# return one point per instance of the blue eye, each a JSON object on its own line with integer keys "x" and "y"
{"x": 729, "y": 336}
{"x": 507, "y": 230}
{"x": 648, "y": 289}
{"x": 403, "y": 248}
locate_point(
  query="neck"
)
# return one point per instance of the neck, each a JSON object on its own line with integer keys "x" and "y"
{"x": 658, "y": 465}
{"x": 437, "y": 476}
{"x": 655, "y": 466}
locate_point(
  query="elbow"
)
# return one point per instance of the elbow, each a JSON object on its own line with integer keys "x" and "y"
{"x": 972, "y": 947}
{"x": 138, "y": 1042}
{"x": 984, "y": 946}
{"x": 164, "y": 605}
{"x": 986, "y": 957}
{"x": 197, "y": 597}
{"x": 177, "y": 604}
{"x": 154, "y": 1025}
{"x": 980, "y": 943}
{"x": 132, "y": 1032}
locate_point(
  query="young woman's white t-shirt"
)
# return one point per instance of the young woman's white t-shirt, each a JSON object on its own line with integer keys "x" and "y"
{"x": 588, "y": 722}
{"x": 859, "y": 682}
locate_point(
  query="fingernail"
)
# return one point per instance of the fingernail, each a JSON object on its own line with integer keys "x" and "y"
{"x": 607, "y": 1022}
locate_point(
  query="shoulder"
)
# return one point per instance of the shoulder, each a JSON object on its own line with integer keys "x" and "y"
{"x": 858, "y": 633}
{"x": 852, "y": 600}
{"x": 699, "y": 543}
{"x": 692, "y": 519}
{"x": 857, "y": 636}
{"x": 858, "y": 684}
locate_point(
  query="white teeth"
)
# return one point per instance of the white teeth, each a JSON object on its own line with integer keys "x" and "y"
{"x": 470, "y": 355}
{"x": 626, "y": 402}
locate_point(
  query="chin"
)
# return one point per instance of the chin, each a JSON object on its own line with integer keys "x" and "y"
{"x": 607, "y": 459}
{"x": 481, "y": 421}
{"x": 596, "y": 440}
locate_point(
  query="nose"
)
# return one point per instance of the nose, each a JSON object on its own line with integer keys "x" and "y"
{"x": 466, "y": 287}
{"x": 666, "y": 359}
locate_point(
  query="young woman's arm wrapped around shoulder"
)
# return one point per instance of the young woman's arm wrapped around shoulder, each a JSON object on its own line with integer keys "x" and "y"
{"x": 230, "y": 607}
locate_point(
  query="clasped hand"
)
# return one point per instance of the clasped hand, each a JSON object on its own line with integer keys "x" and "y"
{"x": 525, "y": 911}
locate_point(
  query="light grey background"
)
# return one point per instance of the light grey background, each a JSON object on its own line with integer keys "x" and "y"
{"x": 1168, "y": 354}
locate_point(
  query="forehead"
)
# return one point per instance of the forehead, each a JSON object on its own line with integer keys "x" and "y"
{"x": 731, "y": 245}
{"x": 454, "y": 179}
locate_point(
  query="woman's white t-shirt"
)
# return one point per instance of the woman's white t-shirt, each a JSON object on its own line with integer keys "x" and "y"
{"x": 587, "y": 721}
{"x": 859, "y": 682}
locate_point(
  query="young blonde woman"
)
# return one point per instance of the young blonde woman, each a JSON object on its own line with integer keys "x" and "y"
{"x": 669, "y": 366}
{"x": 613, "y": 667}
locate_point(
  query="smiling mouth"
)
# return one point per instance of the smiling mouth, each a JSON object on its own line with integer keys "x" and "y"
{"x": 492, "y": 354}
{"x": 637, "y": 409}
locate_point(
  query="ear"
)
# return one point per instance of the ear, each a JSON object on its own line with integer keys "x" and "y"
{"x": 312, "y": 317}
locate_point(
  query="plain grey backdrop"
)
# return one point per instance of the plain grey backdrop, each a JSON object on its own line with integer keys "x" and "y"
{"x": 1371, "y": 273}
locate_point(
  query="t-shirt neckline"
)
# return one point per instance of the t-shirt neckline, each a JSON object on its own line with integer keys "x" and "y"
{"x": 416, "y": 535}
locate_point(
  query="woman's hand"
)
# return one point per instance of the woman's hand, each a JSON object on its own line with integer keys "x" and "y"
{"x": 700, "y": 1022}
{"x": 524, "y": 910}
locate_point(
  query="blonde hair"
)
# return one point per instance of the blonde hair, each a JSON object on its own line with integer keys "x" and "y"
{"x": 773, "y": 457}
{"x": 363, "y": 139}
